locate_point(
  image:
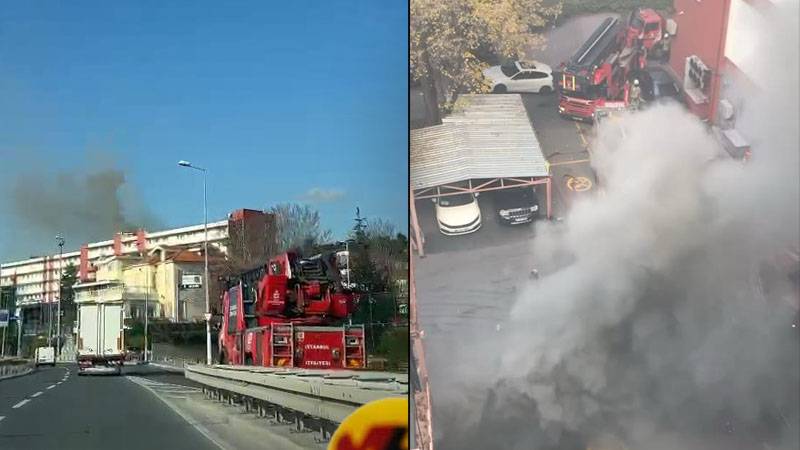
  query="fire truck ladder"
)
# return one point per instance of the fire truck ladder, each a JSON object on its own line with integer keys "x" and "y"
{"x": 354, "y": 347}
{"x": 282, "y": 344}
{"x": 596, "y": 48}
{"x": 249, "y": 289}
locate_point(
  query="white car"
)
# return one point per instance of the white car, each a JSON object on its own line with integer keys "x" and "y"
{"x": 458, "y": 214}
{"x": 45, "y": 356}
{"x": 520, "y": 76}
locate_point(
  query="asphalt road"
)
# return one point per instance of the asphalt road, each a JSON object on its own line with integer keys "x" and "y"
{"x": 54, "y": 408}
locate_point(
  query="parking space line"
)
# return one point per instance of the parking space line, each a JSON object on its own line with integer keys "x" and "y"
{"x": 583, "y": 138}
{"x": 564, "y": 163}
{"x": 37, "y": 394}
{"x": 22, "y": 403}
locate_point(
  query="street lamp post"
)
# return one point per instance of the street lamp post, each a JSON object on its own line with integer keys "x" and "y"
{"x": 205, "y": 256}
{"x": 60, "y": 240}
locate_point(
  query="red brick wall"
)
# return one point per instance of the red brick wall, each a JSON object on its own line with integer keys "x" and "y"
{"x": 701, "y": 28}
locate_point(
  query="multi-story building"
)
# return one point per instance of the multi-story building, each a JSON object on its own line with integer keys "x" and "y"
{"x": 247, "y": 235}
{"x": 714, "y": 57}
{"x": 168, "y": 283}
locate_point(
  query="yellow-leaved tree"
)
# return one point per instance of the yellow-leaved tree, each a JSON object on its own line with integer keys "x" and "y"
{"x": 450, "y": 41}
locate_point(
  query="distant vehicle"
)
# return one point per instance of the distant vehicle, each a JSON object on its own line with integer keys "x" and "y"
{"x": 458, "y": 214}
{"x": 45, "y": 356}
{"x": 520, "y": 76}
{"x": 101, "y": 346}
{"x": 658, "y": 86}
{"x": 516, "y": 206}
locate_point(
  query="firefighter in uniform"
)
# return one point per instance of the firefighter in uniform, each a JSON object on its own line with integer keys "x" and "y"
{"x": 635, "y": 94}
{"x": 665, "y": 41}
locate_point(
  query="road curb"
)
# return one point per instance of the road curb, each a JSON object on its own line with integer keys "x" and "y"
{"x": 8, "y": 377}
{"x": 168, "y": 367}
{"x": 208, "y": 434}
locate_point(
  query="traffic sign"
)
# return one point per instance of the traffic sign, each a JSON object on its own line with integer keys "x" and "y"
{"x": 378, "y": 425}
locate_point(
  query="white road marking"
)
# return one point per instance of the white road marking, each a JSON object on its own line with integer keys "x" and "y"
{"x": 2, "y": 417}
{"x": 22, "y": 403}
{"x": 148, "y": 385}
{"x": 59, "y": 382}
{"x": 51, "y": 386}
{"x": 37, "y": 394}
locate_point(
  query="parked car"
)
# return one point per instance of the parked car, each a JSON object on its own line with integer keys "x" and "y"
{"x": 517, "y": 205}
{"x": 520, "y": 77}
{"x": 458, "y": 214}
{"x": 45, "y": 356}
{"x": 658, "y": 86}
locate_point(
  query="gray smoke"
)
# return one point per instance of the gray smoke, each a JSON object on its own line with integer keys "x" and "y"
{"x": 651, "y": 324}
{"x": 84, "y": 206}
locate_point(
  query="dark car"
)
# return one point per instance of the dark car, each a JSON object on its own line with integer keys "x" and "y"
{"x": 658, "y": 86}
{"x": 516, "y": 205}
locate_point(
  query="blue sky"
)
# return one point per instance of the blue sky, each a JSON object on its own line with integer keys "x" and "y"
{"x": 282, "y": 101}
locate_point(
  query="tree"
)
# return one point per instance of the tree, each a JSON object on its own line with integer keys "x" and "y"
{"x": 451, "y": 40}
{"x": 67, "y": 296}
{"x": 298, "y": 226}
{"x": 379, "y": 255}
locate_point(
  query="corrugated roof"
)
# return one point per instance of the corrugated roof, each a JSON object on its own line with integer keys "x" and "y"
{"x": 489, "y": 136}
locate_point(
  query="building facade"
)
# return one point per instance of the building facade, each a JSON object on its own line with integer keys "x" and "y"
{"x": 247, "y": 235}
{"x": 713, "y": 56}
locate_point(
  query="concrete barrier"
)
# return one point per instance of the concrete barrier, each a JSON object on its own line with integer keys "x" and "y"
{"x": 14, "y": 367}
{"x": 328, "y": 395}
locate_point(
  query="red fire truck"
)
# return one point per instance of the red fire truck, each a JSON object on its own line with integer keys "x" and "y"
{"x": 285, "y": 314}
{"x": 598, "y": 74}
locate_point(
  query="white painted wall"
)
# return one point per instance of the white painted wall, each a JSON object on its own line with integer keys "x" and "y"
{"x": 745, "y": 26}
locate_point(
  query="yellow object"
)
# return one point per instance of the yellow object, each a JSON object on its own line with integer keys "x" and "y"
{"x": 378, "y": 425}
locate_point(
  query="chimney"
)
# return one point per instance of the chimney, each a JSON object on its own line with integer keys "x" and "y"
{"x": 117, "y": 244}
{"x": 141, "y": 241}
{"x": 83, "y": 271}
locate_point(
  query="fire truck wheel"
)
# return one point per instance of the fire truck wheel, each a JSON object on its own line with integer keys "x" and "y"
{"x": 248, "y": 360}
{"x": 500, "y": 89}
{"x": 545, "y": 90}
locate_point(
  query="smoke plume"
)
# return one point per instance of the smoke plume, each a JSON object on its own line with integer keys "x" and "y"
{"x": 85, "y": 206}
{"x": 651, "y": 323}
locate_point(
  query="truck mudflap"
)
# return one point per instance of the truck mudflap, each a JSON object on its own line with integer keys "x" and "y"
{"x": 111, "y": 365}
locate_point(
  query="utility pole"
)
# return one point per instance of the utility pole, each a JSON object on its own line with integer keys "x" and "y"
{"x": 49, "y": 305}
{"x": 205, "y": 255}
{"x": 146, "y": 310}
{"x": 60, "y": 241}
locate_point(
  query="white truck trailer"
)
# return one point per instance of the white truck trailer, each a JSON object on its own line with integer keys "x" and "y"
{"x": 101, "y": 338}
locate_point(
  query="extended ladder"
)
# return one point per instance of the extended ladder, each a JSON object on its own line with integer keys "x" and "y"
{"x": 282, "y": 345}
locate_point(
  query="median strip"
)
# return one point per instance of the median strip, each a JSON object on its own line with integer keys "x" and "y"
{"x": 37, "y": 394}
{"x": 20, "y": 404}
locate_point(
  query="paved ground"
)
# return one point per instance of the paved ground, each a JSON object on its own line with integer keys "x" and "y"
{"x": 53, "y": 408}
{"x": 146, "y": 408}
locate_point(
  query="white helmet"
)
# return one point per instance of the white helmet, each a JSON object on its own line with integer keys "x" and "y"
{"x": 636, "y": 82}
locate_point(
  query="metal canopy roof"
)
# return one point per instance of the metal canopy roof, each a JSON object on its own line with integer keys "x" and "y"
{"x": 488, "y": 136}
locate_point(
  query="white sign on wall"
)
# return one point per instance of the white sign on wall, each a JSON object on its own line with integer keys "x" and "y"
{"x": 191, "y": 281}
